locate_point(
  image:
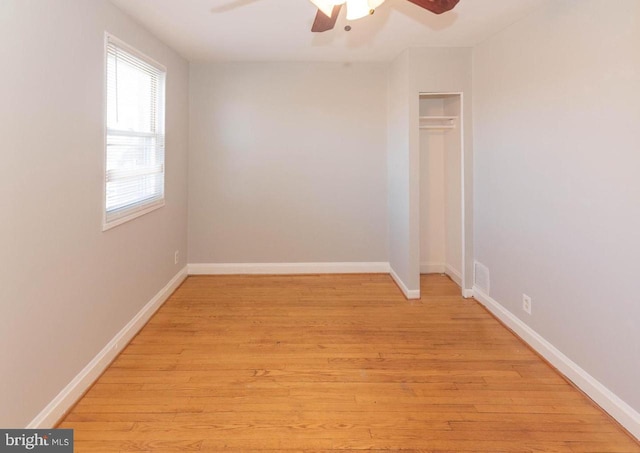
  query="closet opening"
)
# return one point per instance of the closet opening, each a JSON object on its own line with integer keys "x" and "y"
{"x": 442, "y": 185}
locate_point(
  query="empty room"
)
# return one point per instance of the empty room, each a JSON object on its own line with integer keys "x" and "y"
{"x": 317, "y": 225}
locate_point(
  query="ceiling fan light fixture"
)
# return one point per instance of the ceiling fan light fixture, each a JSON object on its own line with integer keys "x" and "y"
{"x": 357, "y": 9}
{"x": 326, "y": 6}
{"x": 329, "y": 10}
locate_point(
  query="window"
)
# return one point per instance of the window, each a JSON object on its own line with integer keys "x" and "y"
{"x": 134, "y": 155}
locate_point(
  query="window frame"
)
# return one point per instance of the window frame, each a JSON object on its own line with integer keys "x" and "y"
{"x": 142, "y": 208}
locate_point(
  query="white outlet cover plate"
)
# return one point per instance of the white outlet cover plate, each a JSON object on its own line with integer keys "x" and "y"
{"x": 526, "y": 303}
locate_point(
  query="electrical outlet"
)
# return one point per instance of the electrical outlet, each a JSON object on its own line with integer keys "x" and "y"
{"x": 526, "y": 303}
{"x": 176, "y": 257}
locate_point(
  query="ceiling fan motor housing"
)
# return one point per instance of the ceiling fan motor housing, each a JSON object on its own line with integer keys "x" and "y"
{"x": 328, "y": 10}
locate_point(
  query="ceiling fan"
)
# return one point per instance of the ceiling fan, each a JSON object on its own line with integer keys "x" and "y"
{"x": 328, "y": 10}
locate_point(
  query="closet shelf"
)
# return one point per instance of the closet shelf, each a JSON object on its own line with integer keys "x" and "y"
{"x": 438, "y": 126}
{"x": 438, "y": 118}
{"x": 438, "y": 122}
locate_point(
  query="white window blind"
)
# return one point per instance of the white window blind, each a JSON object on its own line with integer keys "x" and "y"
{"x": 134, "y": 177}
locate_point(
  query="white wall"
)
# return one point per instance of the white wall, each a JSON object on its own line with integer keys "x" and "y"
{"x": 398, "y": 168}
{"x": 557, "y": 140}
{"x": 67, "y": 287}
{"x": 287, "y": 163}
{"x": 439, "y": 70}
{"x": 432, "y": 191}
{"x": 453, "y": 190}
{"x": 429, "y": 70}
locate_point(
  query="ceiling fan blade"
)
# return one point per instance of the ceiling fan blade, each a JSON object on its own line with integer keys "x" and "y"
{"x": 324, "y": 22}
{"x": 436, "y": 6}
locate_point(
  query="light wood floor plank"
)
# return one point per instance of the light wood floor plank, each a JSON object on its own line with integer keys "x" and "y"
{"x": 333, "y": 362}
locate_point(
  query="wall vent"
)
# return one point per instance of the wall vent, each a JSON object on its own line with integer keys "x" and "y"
{"x": 481, "y": 277}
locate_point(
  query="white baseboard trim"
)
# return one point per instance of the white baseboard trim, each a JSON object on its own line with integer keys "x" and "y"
{"x": 408, "y": 293}
{"x": 432, "y": 268}
{"x": 287, "y": 268}
{"x": 299, "y": 269}
{"x": 467, "y": 293}
{"x": 441, "y": 268}
{"x": 68, "y": 396}
{"x": 605, "y": 398}
{"x": 454, "y": 274}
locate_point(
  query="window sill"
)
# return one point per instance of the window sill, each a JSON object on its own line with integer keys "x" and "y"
{"x": 124, "y": 219}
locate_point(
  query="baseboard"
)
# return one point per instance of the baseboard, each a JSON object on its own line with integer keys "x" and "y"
{"x": 454, "y": 274}
{"x": 287, "y": 268}
{"x": 441, "y": 268}
{"x": 299, "y": 269}
{"x": 408, "y": 293}
{"x": 605, "y": 398}
{"x": 56, "y": 409}
{"x": 432, "y": 268}
{"x": 467, "y": 293}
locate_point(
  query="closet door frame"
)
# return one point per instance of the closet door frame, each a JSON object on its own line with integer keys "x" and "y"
{"x": 466, "y": 285}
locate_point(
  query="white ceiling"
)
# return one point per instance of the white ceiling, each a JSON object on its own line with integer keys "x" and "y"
{"x": 279, "y": 30}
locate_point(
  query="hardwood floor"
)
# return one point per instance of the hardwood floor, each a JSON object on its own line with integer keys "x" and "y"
{"x": 311, "y": 363}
